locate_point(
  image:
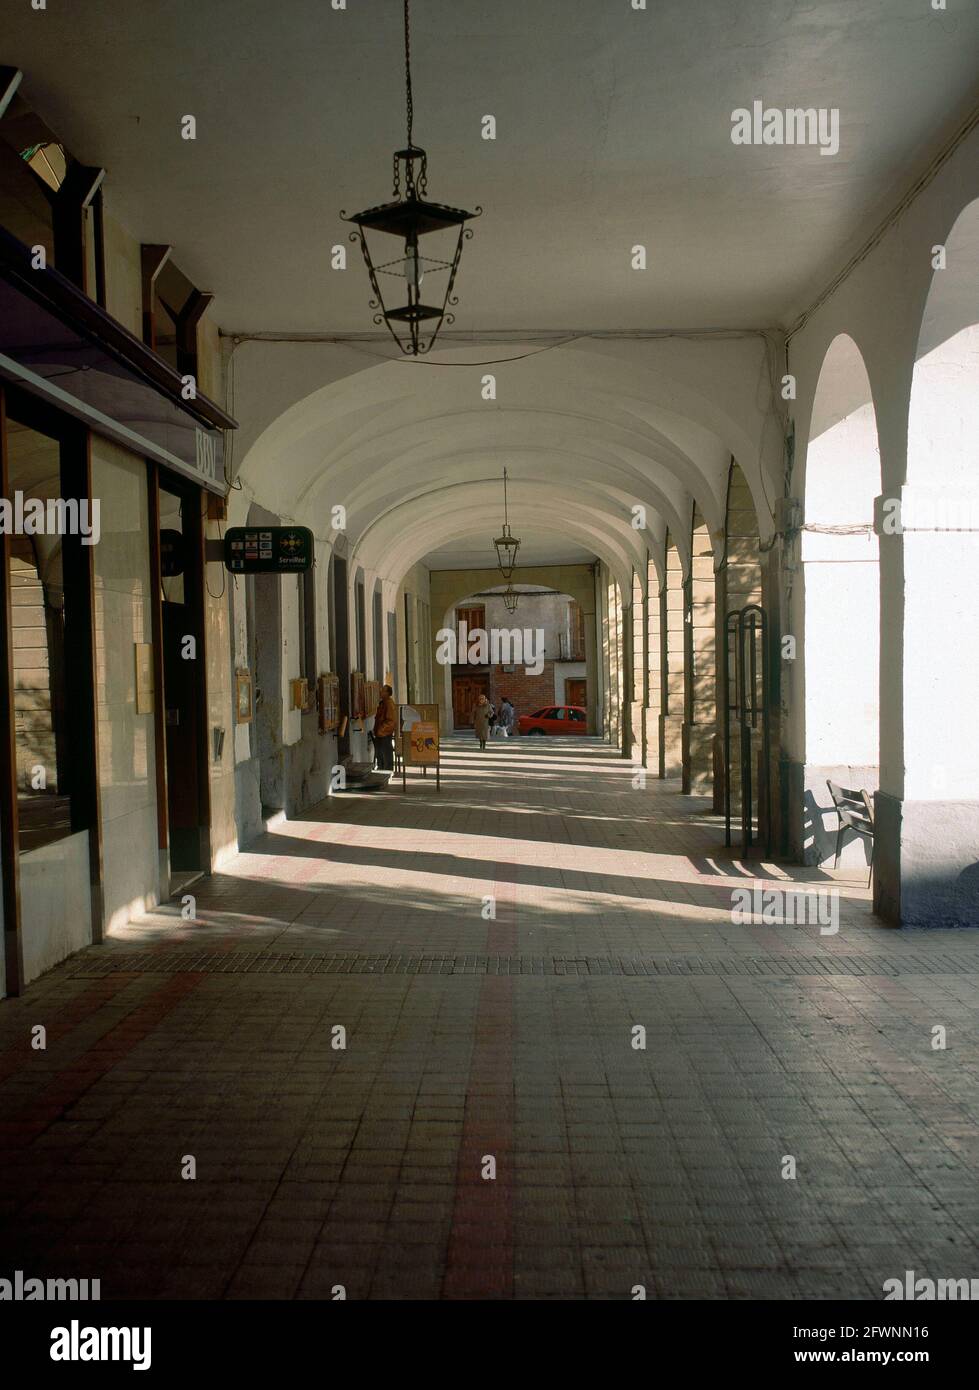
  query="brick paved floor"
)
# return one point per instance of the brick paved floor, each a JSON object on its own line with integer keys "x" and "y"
{"x": 473, "y": 1038}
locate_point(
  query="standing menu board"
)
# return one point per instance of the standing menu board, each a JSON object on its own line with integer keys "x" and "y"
{"x": 420, "y": 743}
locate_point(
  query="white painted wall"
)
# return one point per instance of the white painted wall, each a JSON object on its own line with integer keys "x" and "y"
{"x": 55, "y": 906}
{"x": 941, "y": 568}
{"x": 841, "y": 570}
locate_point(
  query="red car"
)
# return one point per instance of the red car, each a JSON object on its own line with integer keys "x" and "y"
{"x": 555, "y": 719}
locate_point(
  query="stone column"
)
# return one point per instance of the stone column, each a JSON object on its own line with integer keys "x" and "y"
{"x": 927, "y": 807}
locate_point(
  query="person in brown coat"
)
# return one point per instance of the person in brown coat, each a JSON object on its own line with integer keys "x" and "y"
{"x": 385, "y": 723}
{"x": 482, "y": 714}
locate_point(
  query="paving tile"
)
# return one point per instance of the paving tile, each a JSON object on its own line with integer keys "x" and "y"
{"x": 490, "y": 1130}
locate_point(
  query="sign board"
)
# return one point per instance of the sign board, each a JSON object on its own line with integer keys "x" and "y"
{"x": 144, "y": 678}
{"x": 372, "y": 698}
{"x": 358, "y": 696}
{"x": 420, "y": 740}
{"x": 268, "y": 549}
{"x": 243, "y": 697}
{"x": 329, "y": 701}
{"x": 423, "y": 742}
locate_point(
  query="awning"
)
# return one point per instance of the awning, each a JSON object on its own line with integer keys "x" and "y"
{"x": 58, "y": 344}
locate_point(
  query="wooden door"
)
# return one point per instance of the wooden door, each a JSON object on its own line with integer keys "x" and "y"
{"x": 575, "y": 691}
{"x": 474, "y": 617}
{"x": 466, "y": 690}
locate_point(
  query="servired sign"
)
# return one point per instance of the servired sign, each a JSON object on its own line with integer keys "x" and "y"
{"x": 268, "y": 549}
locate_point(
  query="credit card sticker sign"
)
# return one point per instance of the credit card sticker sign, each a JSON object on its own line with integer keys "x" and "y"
{"x": 268, "y": 549}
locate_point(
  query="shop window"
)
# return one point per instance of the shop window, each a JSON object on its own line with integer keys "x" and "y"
{"x": 39, "y": 615}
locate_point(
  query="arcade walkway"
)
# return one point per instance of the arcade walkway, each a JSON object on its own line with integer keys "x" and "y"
{"x": 511, "y": 1037}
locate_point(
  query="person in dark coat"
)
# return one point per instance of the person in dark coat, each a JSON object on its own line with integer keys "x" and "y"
{"x": 482, "y": 715}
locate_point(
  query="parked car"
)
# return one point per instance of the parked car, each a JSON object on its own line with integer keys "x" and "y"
{"x": 555, "y": 719}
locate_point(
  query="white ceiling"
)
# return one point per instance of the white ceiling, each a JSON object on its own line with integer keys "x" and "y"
{"x": 613, "y": 128}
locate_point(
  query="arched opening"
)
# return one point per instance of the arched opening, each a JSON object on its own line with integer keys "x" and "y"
{"x": 841, "y": 595}
{"x": 638, "y": 670}
{"x": 700, "y": 652}
{"x": 536, "y": 656}
{"x": 614, "y": 653}
{"x": 672, "y": 630}
{"x": 936, "y": 819}
{"x": 654, "y": 657}
{"x": 740, "y": 583}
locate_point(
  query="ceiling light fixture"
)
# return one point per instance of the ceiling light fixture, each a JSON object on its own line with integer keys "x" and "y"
{"x": 506, "y": 544}
{"x": 415, "y": 325}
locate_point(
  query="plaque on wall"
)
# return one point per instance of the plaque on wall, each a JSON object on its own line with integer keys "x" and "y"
{"x": 329, "y": 701}
{"x": 144, "y": 678}
{"x": 372, "y": 697}
{"x": 243, "y": 697}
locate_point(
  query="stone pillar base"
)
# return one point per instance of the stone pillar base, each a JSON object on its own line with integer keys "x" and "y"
{"x": 698, "y": 759}
{"x": 671, "y": 745}
{"x": 927, "y": 862}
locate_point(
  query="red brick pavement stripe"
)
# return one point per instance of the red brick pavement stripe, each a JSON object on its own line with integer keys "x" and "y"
{"x": 82, "y": 1006}
{"x": 70, "y": 1084}
{"x": 480, "y": 1254}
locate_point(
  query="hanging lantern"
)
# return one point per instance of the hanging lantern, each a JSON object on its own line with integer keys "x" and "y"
{"x": 510, "y": 599}
{"x": 506, "y": 544}
{"x": 414, "y": 325}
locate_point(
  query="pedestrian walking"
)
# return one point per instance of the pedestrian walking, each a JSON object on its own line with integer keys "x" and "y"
{"x": 482, "y": 714}
{"x": 507, "y": 718}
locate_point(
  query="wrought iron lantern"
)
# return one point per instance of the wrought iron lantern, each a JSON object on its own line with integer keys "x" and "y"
{"x": 510, "y": 599}
{"x": 414, "y": 325}
{"x": 506, "y": 544}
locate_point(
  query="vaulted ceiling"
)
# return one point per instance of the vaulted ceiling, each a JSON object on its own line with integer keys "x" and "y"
{"x": 613, "y": 129}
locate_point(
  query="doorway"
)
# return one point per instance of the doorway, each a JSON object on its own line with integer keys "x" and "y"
{"x": 576, "y": 691}
{"x": 181, "y": 667}
{"x": 466, "y": 690}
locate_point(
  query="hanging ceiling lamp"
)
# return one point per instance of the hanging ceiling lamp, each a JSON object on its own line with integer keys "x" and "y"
{"x": 506, "y": 544}
{"x": 510, "y": 599}
{"x": 415, "y": 325}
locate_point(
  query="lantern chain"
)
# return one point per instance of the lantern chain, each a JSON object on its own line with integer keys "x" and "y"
{"x": 409, "y": 102}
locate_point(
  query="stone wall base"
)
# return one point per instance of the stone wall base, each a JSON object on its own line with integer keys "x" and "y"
{"x": 927, "y": 862}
